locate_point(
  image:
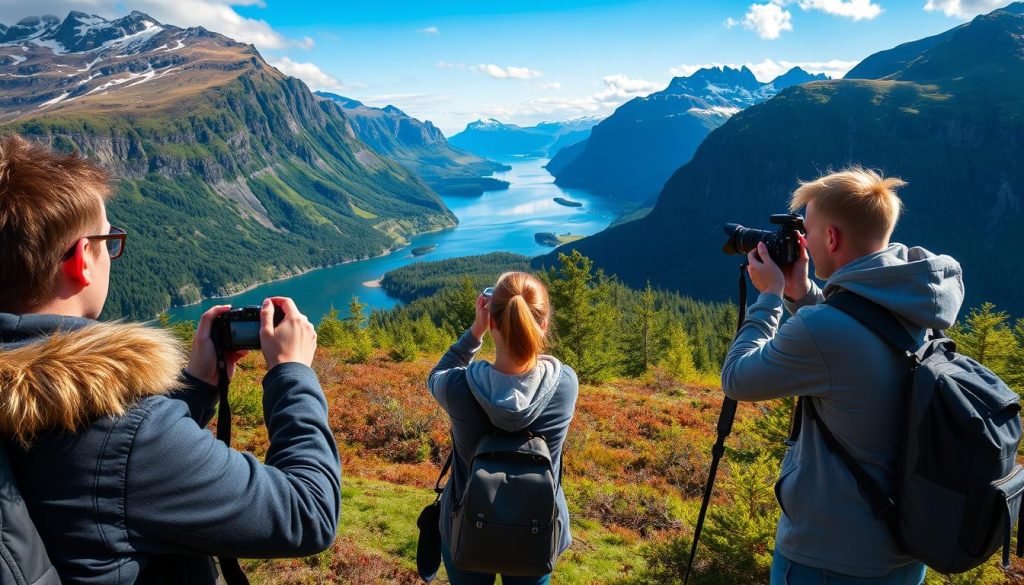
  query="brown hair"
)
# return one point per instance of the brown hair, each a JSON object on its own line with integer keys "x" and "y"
{"x": 47, "y": 201}
{"x": 859, "y": 199}
{"x": 519, "y": 307}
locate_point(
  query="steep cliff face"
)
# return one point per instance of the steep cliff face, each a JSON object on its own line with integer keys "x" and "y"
{"x": 420, "y": 147}
{"x": 228, "y": 172}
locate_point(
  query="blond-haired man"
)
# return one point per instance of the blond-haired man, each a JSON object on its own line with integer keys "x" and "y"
{"x": 102, "y": 429}
{"x": 827, "y": 532}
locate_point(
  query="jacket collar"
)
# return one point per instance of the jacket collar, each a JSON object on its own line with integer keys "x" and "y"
{"x": 60, "y": 373}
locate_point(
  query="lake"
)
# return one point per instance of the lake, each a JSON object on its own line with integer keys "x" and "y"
{"x": 497, "y": 221}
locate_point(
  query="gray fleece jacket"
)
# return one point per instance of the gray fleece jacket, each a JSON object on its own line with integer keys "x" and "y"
{"x": 479, "y": 398}
{"x": 857, "y": 383}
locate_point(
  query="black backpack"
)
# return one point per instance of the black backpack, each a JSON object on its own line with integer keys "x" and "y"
{"x": 506, "y": 519}
{"x": 958, "y": 486}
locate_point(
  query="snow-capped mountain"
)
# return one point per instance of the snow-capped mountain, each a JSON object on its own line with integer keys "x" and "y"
{"x": 632, "y": 153}
{"x": 48, "y": 64}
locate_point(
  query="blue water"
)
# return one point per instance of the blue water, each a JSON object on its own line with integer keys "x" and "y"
{"x": 496, "y": 221}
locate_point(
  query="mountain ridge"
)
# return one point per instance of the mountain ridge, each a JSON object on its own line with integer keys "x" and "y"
{"x": 229, "y": 172}
{"x": 631, "y": 154}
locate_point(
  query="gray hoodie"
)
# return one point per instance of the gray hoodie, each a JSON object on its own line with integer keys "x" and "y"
{"x": 857, "y": 383}
{"x": 479, "y": 398}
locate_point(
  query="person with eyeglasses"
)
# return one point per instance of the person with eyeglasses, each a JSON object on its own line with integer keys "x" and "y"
{"x": 107, "y": 474}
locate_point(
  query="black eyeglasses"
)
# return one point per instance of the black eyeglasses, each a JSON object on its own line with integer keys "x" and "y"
{"x": 115, "y": 243}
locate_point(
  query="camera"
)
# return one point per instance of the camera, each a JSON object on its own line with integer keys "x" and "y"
{"x": 239, "y": 328}
{"x": 783, "y": 245}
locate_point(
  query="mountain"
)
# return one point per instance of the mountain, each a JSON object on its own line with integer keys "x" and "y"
{"x": 229, "y": 172}
{"x": 633, "y": 152}
{"x": 419, "y": 147}
{"x": 494, "y": 139}
{"x": 947, "y": 117}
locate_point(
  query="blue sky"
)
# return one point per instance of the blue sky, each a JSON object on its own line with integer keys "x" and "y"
{"x": 523, "y": 62}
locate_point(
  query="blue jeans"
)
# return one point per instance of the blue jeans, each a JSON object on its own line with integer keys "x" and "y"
{"x": 786, "y": 572}
{"x": 457, "y": 577}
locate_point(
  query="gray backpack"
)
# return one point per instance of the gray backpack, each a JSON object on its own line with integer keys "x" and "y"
{"x": 506, "y": 520}
{"x": 958, "y": 486}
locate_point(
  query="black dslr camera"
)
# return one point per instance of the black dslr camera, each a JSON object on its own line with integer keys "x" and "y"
{"x": 239, "y": 328}
{"x": 783, "y": 245}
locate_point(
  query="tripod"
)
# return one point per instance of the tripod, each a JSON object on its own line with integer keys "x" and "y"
{"x": 724, "y": 428}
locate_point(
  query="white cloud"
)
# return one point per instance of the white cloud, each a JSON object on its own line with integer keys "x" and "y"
{"x": 617, "y": 90}
{"x": 964, "y": 8}
{"x": 855, "y": 9}
{"x": 771, "y": 19}
{"x": 768, "y": 69}
{"x": 430, "y": 30}
{"x": 622, "y": 85}
{"x": 309, "y": 73}
{"x": 768, "y": 20}
{"x": 549, "y": 86}
{"x": 215, "y": 15}
{"x": 448, "y": 65}
{"x": 507, "y": 72}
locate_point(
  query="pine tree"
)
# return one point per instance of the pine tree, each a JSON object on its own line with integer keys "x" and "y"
{"x": 677, "y": 359}
{"x": 642, "y": 334}
{"x": 331, "y": 332}
{"x": 362, "y": 342}
{"x": 405, "y": 348}
{"x": 986, "y": 337}
{"x": 585, "y": 321}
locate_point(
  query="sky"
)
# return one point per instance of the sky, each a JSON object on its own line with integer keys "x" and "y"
{"x": 453, "y": 62}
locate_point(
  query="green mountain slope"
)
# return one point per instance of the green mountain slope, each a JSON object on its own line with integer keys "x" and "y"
{"x": 229, "y": 173}
{"x": 420, "y": 147}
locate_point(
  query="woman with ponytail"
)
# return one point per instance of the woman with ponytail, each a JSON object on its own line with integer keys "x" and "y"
{"x": 523, "y": 391}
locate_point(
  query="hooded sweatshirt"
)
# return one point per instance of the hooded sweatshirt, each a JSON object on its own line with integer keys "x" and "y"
{"x": 858, "y": 384}
{"x": 105, "y": 438}
{"x": 479, "y": 398}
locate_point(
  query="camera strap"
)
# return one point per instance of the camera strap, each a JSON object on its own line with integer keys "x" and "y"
{"x": 724, "y": 428}
{"x": 229, "y": 568}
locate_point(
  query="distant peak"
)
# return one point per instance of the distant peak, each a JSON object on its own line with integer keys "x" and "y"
{"x": 393, "y": 110}
{"x": 485, "y": 124}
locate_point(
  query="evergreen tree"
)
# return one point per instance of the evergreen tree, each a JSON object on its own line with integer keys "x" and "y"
{"x": 677, "y": 358}
{"x": 362, "y": 341}
{"x": 642, "y": 333}
{"x": 404, "y": 348}
{"x": 585, "y": 320}
{"x": 986, "y": 337}
{"x": 331, "y": 332}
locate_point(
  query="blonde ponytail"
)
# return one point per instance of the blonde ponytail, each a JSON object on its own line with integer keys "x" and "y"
{"x": 519, "y": 308}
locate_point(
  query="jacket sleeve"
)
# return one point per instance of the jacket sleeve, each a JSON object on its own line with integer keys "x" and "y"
{"x": 813, "y": 297}
{"x": 767, "y": 361}
{"x": 458, "y": 356}
{"x": 200, "y": 397}
{"x": 187, "y": 492}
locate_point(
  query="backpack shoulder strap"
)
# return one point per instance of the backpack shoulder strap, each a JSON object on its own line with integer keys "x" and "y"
{"x": 882, "y": 505}
{"x": 876, "y": 319}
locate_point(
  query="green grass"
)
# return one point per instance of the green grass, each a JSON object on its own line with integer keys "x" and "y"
{"x": 380, "y": 518}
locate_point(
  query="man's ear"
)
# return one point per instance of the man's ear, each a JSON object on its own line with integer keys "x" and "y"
{"x": 833, "y": 237}
{"x": 77, "y": 267}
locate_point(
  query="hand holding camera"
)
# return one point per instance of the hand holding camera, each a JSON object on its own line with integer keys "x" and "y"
{"x": 292, "y": 339}
{"x": 482, "y": 322}
{"x": 777, "y": 260}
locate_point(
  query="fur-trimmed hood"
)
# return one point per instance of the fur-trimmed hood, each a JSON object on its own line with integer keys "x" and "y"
{"x": 59, "y": 373}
